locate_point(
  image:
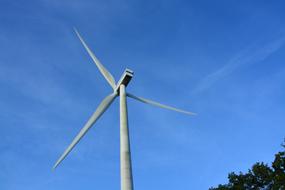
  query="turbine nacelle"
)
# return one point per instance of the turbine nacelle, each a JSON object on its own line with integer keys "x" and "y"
{"x": 125, "y": 79}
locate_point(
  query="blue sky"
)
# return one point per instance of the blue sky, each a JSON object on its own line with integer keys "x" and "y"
{"x": 221, "y": 59}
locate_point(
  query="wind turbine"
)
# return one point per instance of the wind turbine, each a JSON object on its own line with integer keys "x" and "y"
{"x": 119, "y": 89}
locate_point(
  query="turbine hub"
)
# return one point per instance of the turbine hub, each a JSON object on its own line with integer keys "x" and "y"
{"x": 125, "y": 79}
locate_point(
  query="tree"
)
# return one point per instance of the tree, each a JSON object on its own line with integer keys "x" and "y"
{"x": 259, "y": 177}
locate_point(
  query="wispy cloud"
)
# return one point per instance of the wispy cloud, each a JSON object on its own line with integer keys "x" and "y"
{"x": 250, "y": 55}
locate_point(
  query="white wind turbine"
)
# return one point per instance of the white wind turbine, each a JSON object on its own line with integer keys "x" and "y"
{"x": 119, "y": 89}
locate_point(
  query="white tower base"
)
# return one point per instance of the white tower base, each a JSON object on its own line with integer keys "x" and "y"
{"x": 125, "y": 152}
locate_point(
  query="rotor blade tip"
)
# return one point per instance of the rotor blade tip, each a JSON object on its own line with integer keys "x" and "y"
{"x": 53, "y": 168}
{"x": 76, "y": 31}
{"x": 55, "y": 165}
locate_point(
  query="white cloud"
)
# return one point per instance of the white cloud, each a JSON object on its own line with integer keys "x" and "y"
{"x": 250, "y": 55}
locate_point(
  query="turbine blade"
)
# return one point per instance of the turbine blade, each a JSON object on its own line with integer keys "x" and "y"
{"x": 95, "y": 116}
{"x": 108, "y": 76}
{"x": 146, "y": 101}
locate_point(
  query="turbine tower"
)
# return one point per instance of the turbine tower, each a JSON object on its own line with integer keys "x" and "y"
{"x": 119, "y": 89}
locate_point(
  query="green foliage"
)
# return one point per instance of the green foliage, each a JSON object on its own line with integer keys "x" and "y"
{"x": 259, "y": 177}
